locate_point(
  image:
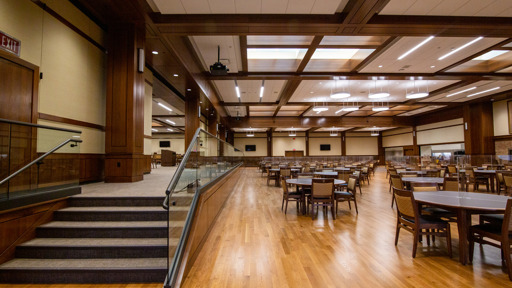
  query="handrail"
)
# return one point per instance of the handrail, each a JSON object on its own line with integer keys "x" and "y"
{"x": 39, "y": 159}
{"x": 37, "y": 125}
{"x": 178, "y": 254}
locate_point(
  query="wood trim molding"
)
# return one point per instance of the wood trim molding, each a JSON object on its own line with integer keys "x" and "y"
{"x": 441, "y": 127}
{"x": 59, "y": 119}
{"x": 502, "y": 137}
{"x": 147, "y": 82}
{"x": 148, "y": 137}
{"x": 69, "y": 24}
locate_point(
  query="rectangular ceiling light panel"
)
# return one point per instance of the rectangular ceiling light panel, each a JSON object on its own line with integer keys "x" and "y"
{"x": 276, "y": 53}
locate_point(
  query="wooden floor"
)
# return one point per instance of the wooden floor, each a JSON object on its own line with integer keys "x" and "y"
{"x": 254, "y": 244}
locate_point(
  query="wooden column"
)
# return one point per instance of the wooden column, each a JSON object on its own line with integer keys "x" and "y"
{"x": 478, "y": 129}
{"x": 307, "y": 143}
{"x": 124, "y": 133}
{"x": 212, "y": 125}
{"x": 269, "y": 143}
{"x": 222, "y": 132}
{"x": 382, "y": 152}
{"x": 343, "y": 144}
{"x": 191, "y": 113}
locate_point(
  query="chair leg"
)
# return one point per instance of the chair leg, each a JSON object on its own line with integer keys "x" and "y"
{"x": 415, "y": 244}
{"x": 449, "y": 240}
{"x": 355, "y": 204}
{"x": 393, "y": 200}
{"x": 508, "y": 260}
{"x": 397, "y": 232}
{"x": 282, "y": 204}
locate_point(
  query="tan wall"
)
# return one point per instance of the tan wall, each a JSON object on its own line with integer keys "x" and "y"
{"x": 93, "y": 139}
{"x": 397, "y": 140}
{"x": 286, "y": 143}
{"x": 177, "y": 145}
{"x": 500, "y": 113}
{"x": 441, "y": 124}
{"x": 261, "y": 145}
{"x": 73, "y": 84}
{"x": 314, "y": 146}
{"x": 148, "y": 110}
{"x": 365, "y": 145}
{"x": 441, "y": 135}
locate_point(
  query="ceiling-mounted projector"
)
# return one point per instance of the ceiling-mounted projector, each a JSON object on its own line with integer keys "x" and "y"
{"x": 218, "y": 68}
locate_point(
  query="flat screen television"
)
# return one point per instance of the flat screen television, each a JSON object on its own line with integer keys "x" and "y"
{"x": 250, "y": 147}
{"x": 325, "y": 147}
{"x": 165, "y": 144}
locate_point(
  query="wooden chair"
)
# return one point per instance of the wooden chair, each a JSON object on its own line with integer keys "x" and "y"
{"x": 343, "y": 176}
{"x": 436, "y": 173}
{"x": 285, "y": 173}
{"x": 357, "y": 173}
{"x": 500, "y": 182}
{"x": 452, "y": 169}
{"x": 507, "y": 180}
{"x": 290, "y": 196}
{"x": 484, "y": 180}
{"x": 409, "y": 218}
{"x": 271, "y": 175}
{"x": 322, "y": 194}
{"x": 349, "y": 195}
{"x": 451, "y": 184}
{"x": 424, "y": 187}
{"x": 502, "y": 234}
{"x": 396, "y": 182}
{"x": 365, "y": 175}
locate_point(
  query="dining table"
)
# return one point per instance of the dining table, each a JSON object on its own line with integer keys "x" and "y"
{"x": 307, "y": 182}
{"x": 464, "y": 204}
{"x": 489, "y": 174}
{"x": 278, "y": 174}
{"x": 422, "y": 172}
{"x": 342, "y": 169}
{"x": 326, "y": 173}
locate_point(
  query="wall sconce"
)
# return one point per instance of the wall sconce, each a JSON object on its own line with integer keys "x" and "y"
{"x": 413, "y": 133}
{"x": 466, "y": 125}
{"x": 140, "y": 62}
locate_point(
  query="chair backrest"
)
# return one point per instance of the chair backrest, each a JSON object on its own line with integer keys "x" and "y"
{"x": 436, "y": 173}
{"x": 499, "y": 177}
{"x": 452, "y": 169}
{"x": 343, "y": 176}
{"x": 451, "y": 184}
{"x": 405, "y": 204}
{"x": 392, "y": 171}
{"x": 285, "y": 187}
{"x": 357, "y": 173}
{"x": 442, "y": 173}
{"x": 307, "y": 168}
{"x": 305, "y": 175}
{"x": 285, "y": 172}
{"x": 396, "y": 181}
{"x": 401, "y": 170}
{"x": 507, "y": 179}
{"x": 424, "y": 187}
{"x": 322, "y": 187}
{"x": 507, "y": 218}
{"x": 275, "y": 166}
{"x": 364, "y": 170}
{"x": 470, "y": 173}
{"x": 351, "y": 184}
{"x": 409, "y": 174}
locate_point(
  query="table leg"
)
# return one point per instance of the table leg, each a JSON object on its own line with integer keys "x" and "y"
{"x": 491, "y": 179}
{"x": 463, "y": 222}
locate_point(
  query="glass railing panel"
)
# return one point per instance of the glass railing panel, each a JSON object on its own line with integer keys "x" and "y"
{"x": 22, "y": 144}
{"x": 206, "y": 159}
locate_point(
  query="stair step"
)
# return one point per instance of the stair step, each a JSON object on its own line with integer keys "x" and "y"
{"x": 109, "y": 229}
{"x": 73, "y": 248}
{"x": 119, "y": 213}
{"x": 90, "y": 201}
{"x": 140, "y": 270}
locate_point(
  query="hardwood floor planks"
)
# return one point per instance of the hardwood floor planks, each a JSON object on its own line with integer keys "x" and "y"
{"x": 254, "y": 244}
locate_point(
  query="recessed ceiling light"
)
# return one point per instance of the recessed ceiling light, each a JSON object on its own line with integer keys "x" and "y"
{"x": 312, "y": 92}
{"x": 337, "y": 54}
{"x": 460, "y": 48}
{"x": 155, "y": 52}
{"x": 380, "y": 66}
{"x": 482, "y": 92}
{"x": 285, "y": 53}
{"x": 237, "y": 90}
{"x": 490, "y": 54}
{"x": 175, "y": 75}
{"x": 170, "y": 122}
{"x": 432, "y": 66}
{"x": 189, "y": 89}
{"x": 165, "y": 107}
{"x": 456, "y": 93}
{"x": 415, "y": 47}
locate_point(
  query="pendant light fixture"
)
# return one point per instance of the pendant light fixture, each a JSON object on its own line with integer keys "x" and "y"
{"x": 338, "y": 92}
{"x": 333, "y": 132}
{"x": 416, "y": 92}
{"x": 292, "y": 132}
{"x": 374, "y": 133}
{"x": 320, "y": 108}
{"x": 380, "y": 106}
{"x": 378, "y": 93}
{"x": 250, "y": 133}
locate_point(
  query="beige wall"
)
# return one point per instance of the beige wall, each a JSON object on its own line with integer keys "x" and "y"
{"x": 259, "y": 139}
{"x": 281, "y": 142}
{"x": 361, "y": 145}
{"x": 177, "y": 145}
{"x": 148, "y": 110}
{"x": 314, "y": 145}
{"x": 397, "y": 140}
{"x": 73, "y": 84}
{"x": 93, "y": 139}
{"x": 441, "y": 135}
{"x": 500, "y": 113}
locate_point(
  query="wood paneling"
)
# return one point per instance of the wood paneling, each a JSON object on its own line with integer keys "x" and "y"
{"x": 478, "y": 137}
{"x": 191, "y": 114}
{"x": 92, "y": 167}
{"x": 294, "y": 153}
{"x": 309, "y": 122}
{"x": 59, "y": 119}
{"x": 18, "y": 225}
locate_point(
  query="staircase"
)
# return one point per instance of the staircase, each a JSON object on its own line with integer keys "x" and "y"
{"x": 101, "y": 240}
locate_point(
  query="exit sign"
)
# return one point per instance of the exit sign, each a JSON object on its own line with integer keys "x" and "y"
{"x": 10, "y": 44}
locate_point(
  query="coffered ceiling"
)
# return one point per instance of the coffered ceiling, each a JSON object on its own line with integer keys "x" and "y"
{"x": 287, "y": 57}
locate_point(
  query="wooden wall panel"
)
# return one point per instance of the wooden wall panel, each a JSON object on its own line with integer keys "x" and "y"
{"x": 18, "y": 225}
{"x": 479, "y": 135}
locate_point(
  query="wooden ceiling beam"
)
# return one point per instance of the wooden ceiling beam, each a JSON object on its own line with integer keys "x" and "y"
{"x": 287, "y": 93}
{"x": 382, "y": 48}
{"x": 358, "y": 76}
{"x": 308, "y": 122}
{"x": 243, "y": 51}
{"x": 441, "y": 91}
{"x": 362, "y": 104}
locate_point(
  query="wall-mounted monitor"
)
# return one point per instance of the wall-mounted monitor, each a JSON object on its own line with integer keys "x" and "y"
{"x": 325, "y": 147}
{"x": 165, "y": 144}
{"x": 250, "y": 148}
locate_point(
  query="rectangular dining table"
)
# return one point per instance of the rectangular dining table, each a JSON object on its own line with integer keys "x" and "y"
{"x": 464, "y": 204}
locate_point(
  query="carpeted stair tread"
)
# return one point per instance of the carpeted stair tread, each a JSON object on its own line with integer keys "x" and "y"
{"x": 103, "y": 242}
{"x": 95, "y": 264}
{"x": 110, "y": 224}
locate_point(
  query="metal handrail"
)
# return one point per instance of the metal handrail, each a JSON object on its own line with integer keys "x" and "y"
{"x": 37, "y": 125}
{"x": 173, "y": 269}
{"x": 39, "y": 159}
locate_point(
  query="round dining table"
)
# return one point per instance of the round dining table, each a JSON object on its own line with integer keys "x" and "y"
{"x": 422, "y": 172}
{"x": 437, "y": 180}
{"x": 465, "y": 204}
{"x": 278, "y": 173}
{"x": 341, "y": 169}
{"x": 309, "y": 181}
{"x": 326, "y": 173}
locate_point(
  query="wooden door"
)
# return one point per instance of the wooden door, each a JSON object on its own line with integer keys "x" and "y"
{"x": 18, "y": 90}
